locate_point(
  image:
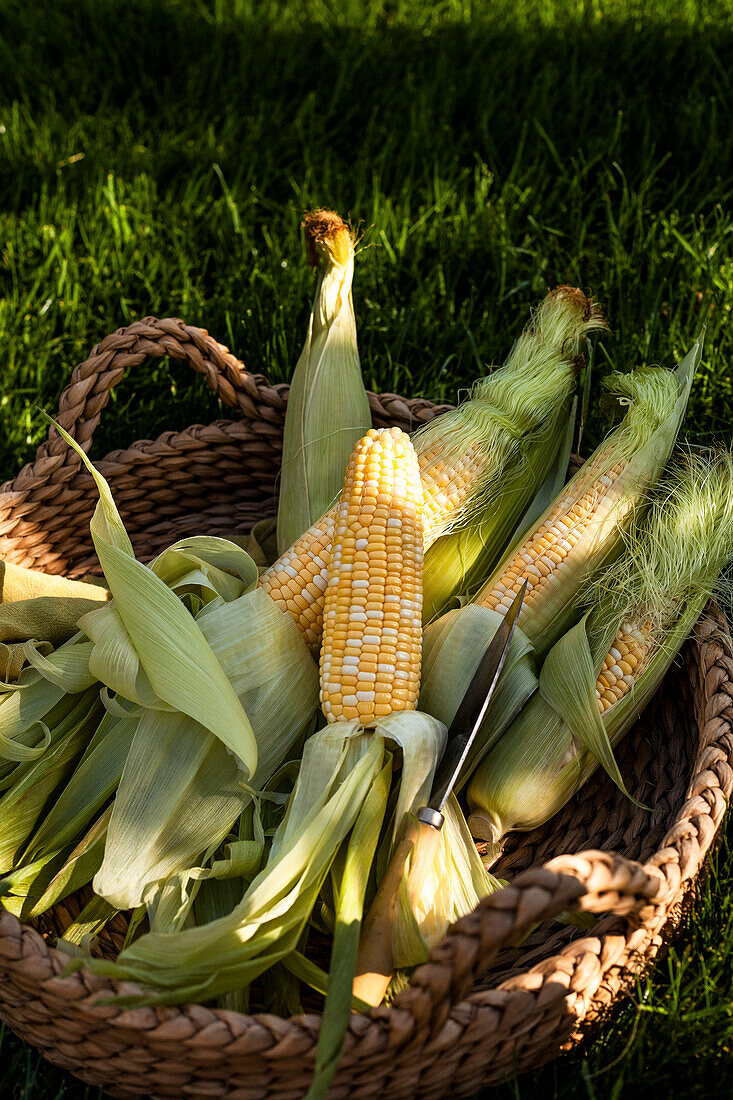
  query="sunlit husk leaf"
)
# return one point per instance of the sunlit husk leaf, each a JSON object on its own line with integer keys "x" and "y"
{"x": 181, "y": 790}
{"x": 328, "y": 409}
{"x": 172, "y": 651}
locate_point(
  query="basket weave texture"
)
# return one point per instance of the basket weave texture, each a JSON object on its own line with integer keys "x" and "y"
{"x": 508, "y": 989}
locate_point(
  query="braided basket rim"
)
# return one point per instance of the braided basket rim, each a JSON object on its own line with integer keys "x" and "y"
{"x": 563, "y": 993}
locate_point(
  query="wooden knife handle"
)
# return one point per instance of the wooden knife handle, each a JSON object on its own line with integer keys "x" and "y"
{"x": 374, "y": 964}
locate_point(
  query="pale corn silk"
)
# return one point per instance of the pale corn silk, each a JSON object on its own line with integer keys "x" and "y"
{"x": 372, "y": 632}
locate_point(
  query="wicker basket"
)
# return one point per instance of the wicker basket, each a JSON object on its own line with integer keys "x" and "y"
{"x": 482, "y": 1008}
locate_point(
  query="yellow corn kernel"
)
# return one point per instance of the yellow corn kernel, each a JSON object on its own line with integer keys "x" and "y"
{"x": 623, "y": 664}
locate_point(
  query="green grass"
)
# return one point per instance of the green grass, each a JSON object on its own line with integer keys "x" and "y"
{"x": 156, "y": 157}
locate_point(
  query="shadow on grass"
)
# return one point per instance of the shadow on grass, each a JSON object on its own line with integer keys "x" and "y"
{"x": 277, "y": 96}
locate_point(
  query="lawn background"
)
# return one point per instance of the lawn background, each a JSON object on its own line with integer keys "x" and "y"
{"x": 156, "y": 157}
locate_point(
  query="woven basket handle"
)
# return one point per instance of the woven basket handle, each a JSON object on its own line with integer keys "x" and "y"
{"x": 594, "y": 882}
{"x": 93, "y": 380}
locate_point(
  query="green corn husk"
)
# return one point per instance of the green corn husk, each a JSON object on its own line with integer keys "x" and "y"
{"x": 81, "y": 935}
{"x": 42, "y": 696}
{"x": 550, "y": 346}
{"x": 266, "y": 926}
{"x": 77, "y": 869}
{"x": 201, "y": 653}
{"x": 352, "y": 889}
{"x": 668, "y": 571}
{"x": 642, "y": 443}
{"x": 328, "y": 408}
{"x": 35, "y": 781}
{"x": 159, "y": 637}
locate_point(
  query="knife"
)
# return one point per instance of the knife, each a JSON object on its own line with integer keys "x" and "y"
{"x": 374, "y": 962}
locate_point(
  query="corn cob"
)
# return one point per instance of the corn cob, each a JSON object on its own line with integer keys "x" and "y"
{"x": 583, "y": 525}
{"x": 370, "y": 660}
{"x": 463, "y": 455}
{"x": 598, "y": 677}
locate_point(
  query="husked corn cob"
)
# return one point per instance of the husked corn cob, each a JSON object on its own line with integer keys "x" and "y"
{"x": 372, "y": 636}
{"x": 624, "y": 663}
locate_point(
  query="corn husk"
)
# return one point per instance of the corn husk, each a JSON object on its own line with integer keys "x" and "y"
{"x": 174, "y": 658}
{"x": 454, "y": 884}
{"x": 266, "y": 926}
{"x": 657, "y": 399}
{"x": 328, "y": 408}
{"x": 197, "y": 614}
{"x": 351, "y": 893}
{"x": 670, "y": 567}
{"x": 42, "y": 696}
{"x": 19, "y": 585}
{"x": 35, "y": 780}
{"x": 176, "y": 772}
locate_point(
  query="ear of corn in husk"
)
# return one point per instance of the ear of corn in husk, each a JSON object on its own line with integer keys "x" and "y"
{"x": 544, "y": 359}
{"x": 328, "y": 408}
{"x": 582, "y": 527}
{"x": 601, "y": 673}
{"x": 463, "y": 455}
